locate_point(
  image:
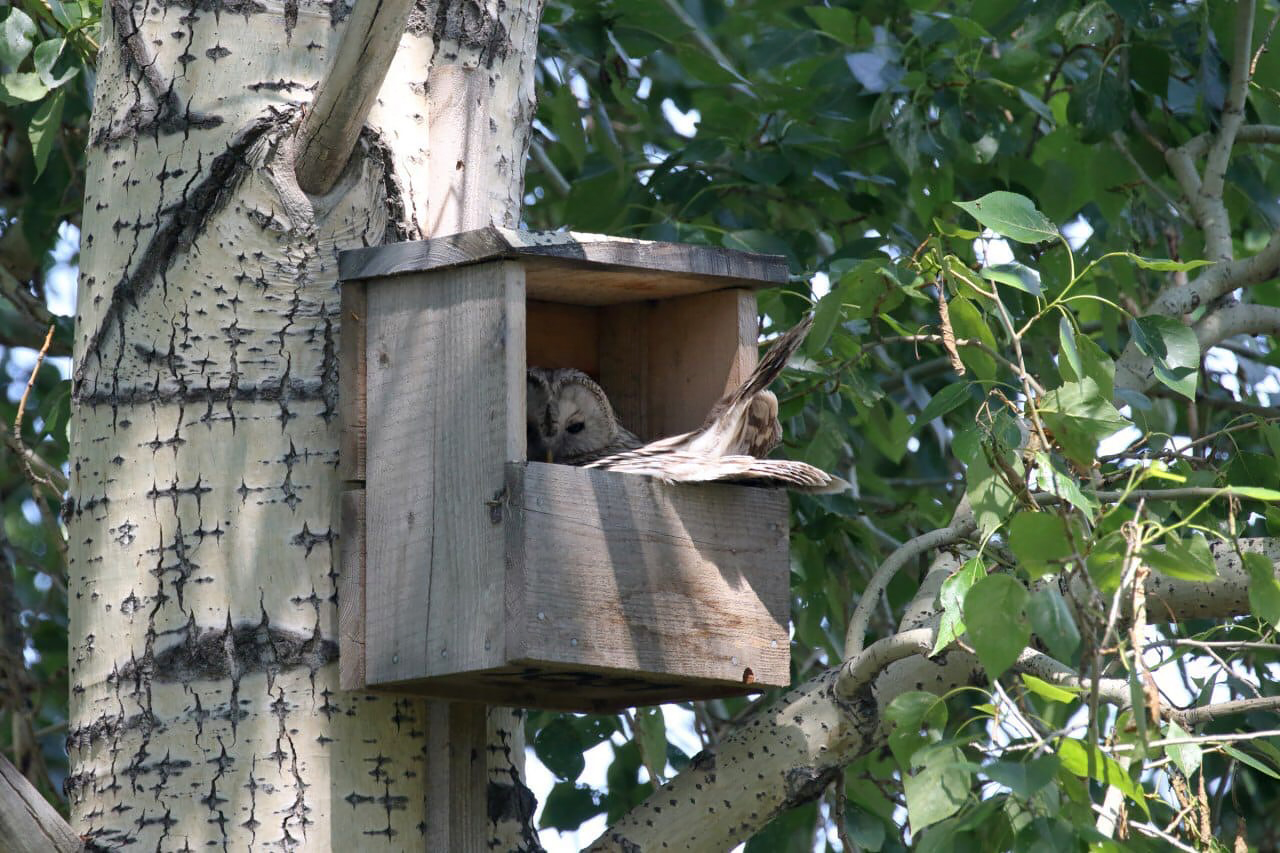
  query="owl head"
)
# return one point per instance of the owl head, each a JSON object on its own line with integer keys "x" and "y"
{"x": 569, "y": 417}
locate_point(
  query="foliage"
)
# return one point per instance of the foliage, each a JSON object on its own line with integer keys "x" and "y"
{"x": 47, "y": 50}
{"x": 871, "y": 144}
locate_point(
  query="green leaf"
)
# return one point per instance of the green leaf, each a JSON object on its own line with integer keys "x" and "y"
{"x": 951, "y": 597}
{"x": 1052, "y": 622}
{"x": 1039, "y": 541}
{"x": 21, "y": 87}
{"x": 1173, "y": 349}
{"x": 1011, "y": 215}
{"x": 951, "y": 397}
{"x": 837, "y": 22}
{"x": 1069, "y": 363}
{"x": 994, "y": 614}
{"x": 17, "y": 32}
{"x": 1264, "y": 589}
{"x": 825, "y": 317}
{"x": 1080, "y": 417}
{"x": 1023, "y": 778}
{"x": 871, "y": 288}
{"x": 1016, "y": 275}
{"x": 1188, "y": 559}
{"x": 1099, "y": 105}
{"x": 864, "y": 828}
{"x": 938, "y": 789}
{"x": 948, "y": 229}
{"x": 568, "y": 806}
{"x": 559, "y": 746}
{"x": 1186, "y": 755}
{"x": 992, "y": 497}
{"x": 917, "y": 719}
{"x": 651, "y": 737}
{"x": 1089, "y": 25}
{"x": 1098, "y": 366}
{"x": 1256, "y": 493}
{"x": 1036, "y": 105}
{"x": 1165, "y": 265}
{"x": 1050, "y": 476}
{"x": 1046, "y": 690}
{"x": 43, "y": 129}
{"x": 1075, "y": 755}
{"x": 1245, "y": 758}
{"x": 46, "y": 54}
{"x": 967, "y": 322}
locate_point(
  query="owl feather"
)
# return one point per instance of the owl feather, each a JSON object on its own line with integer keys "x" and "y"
{"x": 741, "y": 427}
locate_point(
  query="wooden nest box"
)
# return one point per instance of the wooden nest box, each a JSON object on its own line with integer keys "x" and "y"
{"x": 470, "y": 573}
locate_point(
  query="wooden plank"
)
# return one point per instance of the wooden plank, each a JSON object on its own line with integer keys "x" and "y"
{"x": 565, "y": 687}
{"x": 624, "y": 572}
{"x": 28, "y": 824}
{"x": 606, "y": 266}
{"x": 457, "y": 778}
{"x": 562, "y": 335}
{"x": 624, "y": 364}
{"x": 699, "y": 347}
{"x": 445, "y": 356}
{"x": 351, "y": 383}
{"x": 351, "y": 584}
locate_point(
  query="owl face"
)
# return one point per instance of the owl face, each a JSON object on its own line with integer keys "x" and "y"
{"x": 569, "y": 416}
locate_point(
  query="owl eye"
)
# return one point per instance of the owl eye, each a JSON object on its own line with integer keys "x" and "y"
{"x": 575, "y": 428}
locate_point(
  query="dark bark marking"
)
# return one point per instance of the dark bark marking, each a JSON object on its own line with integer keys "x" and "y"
{"x": 183, "y": 222}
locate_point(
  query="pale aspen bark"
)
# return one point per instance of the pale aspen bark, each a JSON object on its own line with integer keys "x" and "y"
{"x": 204, "y": 511}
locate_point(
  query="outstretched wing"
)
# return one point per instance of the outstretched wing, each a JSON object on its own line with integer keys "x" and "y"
{"x": 680, "y": 466}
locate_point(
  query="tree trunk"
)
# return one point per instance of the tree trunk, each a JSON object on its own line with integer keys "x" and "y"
{"x": 203, "y": 524}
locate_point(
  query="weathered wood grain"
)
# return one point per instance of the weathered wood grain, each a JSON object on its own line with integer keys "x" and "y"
{"x": 584, "y": 269}
{"x": 560, "y": 335}
{"x": 624, "y": 363}
{"x": 457, "y": 778}
{"x": 699, "y": 347}
{"x": 28, "y": 824}
{"x": 445, "y": 411}
{"x": 351, "y": 383}
{"x": 351, "y": 586}
{"x": 627, "y": 573}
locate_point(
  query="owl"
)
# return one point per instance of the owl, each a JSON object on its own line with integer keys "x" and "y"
{"x": 569, "y": 419}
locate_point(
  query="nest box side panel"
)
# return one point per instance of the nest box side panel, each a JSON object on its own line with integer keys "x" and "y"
{"x": 445, "y": 397}
{"x": 622, "y": 572}
{"x": 665, "y": 363}
{"x": 351, "y": 383}
{"x": 698, "y": 348}
{"x": 351, "y": 582}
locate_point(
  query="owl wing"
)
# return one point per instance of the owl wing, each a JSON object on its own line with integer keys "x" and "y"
{"x": 745, "y": 421}
{"x": 679, "y": 466}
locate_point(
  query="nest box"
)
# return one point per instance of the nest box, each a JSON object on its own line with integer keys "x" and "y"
{"x": 471, "y": 573}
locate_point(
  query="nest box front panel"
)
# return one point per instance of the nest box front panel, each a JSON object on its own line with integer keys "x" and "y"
{"x": 622, "y": 572}
{"x": 444, "y": 393}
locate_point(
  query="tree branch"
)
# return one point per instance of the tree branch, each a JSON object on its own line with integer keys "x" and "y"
{"x": 962, "y": 524}
{"x": 1252, "y": 134}
{"x": 1195, "y": 716}
{"x": 1242, "y": 318}
{"x": 332, "y": 125}
{"x": 1219, "y": 154}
